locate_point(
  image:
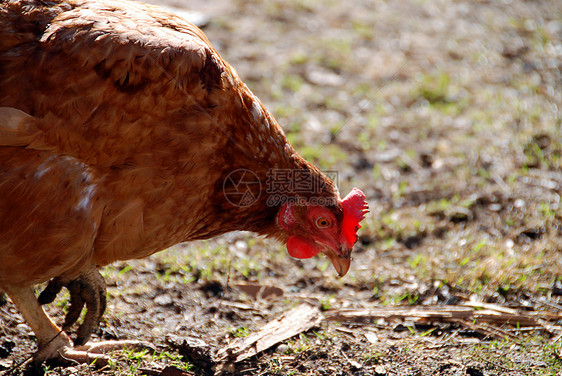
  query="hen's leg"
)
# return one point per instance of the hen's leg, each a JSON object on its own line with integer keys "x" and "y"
{"x": 53, "y": 342}
{"x": 87, "y": 289}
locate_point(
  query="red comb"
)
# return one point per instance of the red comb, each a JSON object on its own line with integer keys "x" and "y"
{"x": 354, "y": 209}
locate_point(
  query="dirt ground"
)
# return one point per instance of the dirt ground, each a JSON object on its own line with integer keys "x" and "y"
{"x": 447, "y": 115}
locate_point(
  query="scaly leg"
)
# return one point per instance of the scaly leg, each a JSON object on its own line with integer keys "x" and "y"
{"x": 53, "y": 342}
{"x": 87, "y": 289}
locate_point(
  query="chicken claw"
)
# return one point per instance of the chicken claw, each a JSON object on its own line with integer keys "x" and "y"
{"x": 60, "y": 351}
{"x": 53, "y": 343}
{"x": 89, "y": 290}
{"x": 50, "y": 292}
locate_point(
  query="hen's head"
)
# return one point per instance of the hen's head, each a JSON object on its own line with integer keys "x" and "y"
{"x": 328, "y": 229}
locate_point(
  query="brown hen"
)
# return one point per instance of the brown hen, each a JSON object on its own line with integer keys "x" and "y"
{"x": 123, "y": 132}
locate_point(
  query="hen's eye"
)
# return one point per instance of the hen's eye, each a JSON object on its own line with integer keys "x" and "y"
{"x": 322, "y": 222}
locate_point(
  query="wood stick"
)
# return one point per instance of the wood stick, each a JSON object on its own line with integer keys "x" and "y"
{"x": 443, "y": 313}
{"x": 291, "y": 323}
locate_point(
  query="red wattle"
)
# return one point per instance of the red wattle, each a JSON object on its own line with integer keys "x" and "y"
{"x": 301, "y": 248}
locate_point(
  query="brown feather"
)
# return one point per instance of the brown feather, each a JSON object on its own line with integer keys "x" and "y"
{"x": 137, "y": 100}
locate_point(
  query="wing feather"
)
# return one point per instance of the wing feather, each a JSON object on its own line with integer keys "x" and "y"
{"x": 16, "y": 128}
{"x": 98, "y": 68}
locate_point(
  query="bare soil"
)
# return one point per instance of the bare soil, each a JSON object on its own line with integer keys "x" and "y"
{"x": 447, "y": 115}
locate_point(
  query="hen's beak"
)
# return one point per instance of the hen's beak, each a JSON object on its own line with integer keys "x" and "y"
{"x": 341, "y": 263}
{"x": 340, "y": 258}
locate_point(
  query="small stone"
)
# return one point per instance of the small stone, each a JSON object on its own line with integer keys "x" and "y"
{"x": 281, "y": 349}
{"x": 241, "y": 245}
{"x": 323, "y": 77}
{"x": 198, "y": 351}
{"x": 372, "y": 337}
{"x": 23, "y": 329}
{"x": 495, "y": 207}
{"x": 163, "y": 300}
{"x": 355, "y": 365}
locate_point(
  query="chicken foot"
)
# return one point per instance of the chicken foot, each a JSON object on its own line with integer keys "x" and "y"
{"x": 52, "y": 341}
{"x": 89, "y": 290}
